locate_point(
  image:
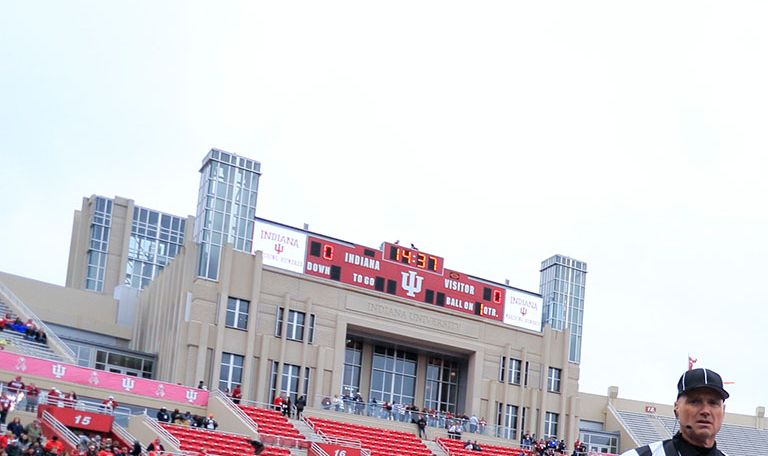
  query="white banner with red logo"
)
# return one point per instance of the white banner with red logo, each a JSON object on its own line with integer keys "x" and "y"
{"x": 63, "y": 372}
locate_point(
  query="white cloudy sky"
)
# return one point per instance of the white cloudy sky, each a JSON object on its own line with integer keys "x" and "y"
{"x": 630, "y": 135}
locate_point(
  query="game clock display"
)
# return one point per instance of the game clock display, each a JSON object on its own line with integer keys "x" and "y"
{"x": 413, "y": 258}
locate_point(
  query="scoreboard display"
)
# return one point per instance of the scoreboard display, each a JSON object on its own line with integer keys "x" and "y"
{"x": 397, "y": 270}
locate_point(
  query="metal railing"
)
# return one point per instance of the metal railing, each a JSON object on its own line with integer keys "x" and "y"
{"x": 62, "y": 430}
{"x": 237, "y": 410}
{"x": 25, "y": 311}
{"x": 159, "y": 430}
{"x": 125, "y": 436}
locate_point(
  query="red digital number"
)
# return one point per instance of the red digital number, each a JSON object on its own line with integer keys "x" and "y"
{"x": 496, "y": 298}
{"x": 328, "y": 252}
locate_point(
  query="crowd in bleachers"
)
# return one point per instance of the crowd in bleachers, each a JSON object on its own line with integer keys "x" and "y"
{"x": 29, "y": 329}
{"x": 186, "y": 419}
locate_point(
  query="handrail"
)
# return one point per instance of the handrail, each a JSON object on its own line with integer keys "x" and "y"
{"x": 237, "y": 410}
{"x": 125, "y": 436}
{"x": 27, "y": 313}
{"x": 68, "y": 435}
{"x": 160, "y": 430}
{"x": 88, "y": 406}
{"x": 623, "y": 423}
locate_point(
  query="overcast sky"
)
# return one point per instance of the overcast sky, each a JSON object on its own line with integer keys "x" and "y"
{"x": 630, "y": 135}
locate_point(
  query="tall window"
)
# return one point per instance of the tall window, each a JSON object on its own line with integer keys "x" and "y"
{"x": 156, "y": 238}
{"x": 553, "y": 380}
{"x": 507, "y": 419}
{"x": 99, "y": 244}
{"x": 441, "y": 391}
{"x": 231, "y": 372}
{"x": 237, "y": 313}
{"x": 550, "y": 425}
{"x": 289, "y": 380}
{"x": 353, "y": 360}
{"x": 294, "y": 325}
{"x": 393, "y": 375}
{"x": 514, "y": 371}
{"x": 502, "y": 368}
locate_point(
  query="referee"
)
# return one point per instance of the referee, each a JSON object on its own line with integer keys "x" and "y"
{"x": 699, "y": 408}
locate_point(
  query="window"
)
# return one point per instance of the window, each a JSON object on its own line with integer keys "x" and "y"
{"x": 353, "y": 363}
{"x": 290, "y": 380}
{"x": 507, "y": 419}
{"x": 514, "y": 371}
{"x": 294, "y": 325}
{"x": 550, "y": 425}
{"x": 553, "y": 380}
{"x": 393, "y": 375}
{"x": 441, "y": 391}
{"x": 237, "y": 313}
{"x": 231, "y": 372}
{"x": 502, "y": 369}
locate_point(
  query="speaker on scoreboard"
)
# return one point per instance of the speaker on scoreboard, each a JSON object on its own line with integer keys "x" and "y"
{"x": 429, "y": 296}
{"x": 335, "y": 272}
{"x": 478, "y": 308}
{"x": 440, "y": 299}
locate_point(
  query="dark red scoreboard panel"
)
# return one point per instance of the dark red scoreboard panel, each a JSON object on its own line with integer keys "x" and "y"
{"x": 403, "y": 272}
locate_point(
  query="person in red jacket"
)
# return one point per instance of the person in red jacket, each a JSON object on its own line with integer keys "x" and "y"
{"x": 109, "y": 404}
{"x": 54, "y": 446}
{"x": 236, "y": 394}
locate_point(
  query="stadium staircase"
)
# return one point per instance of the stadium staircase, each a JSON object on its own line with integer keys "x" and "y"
{"x": 274, "y": 428}
{"x": 196, "y": 440}
{"x": 54, "y": 350}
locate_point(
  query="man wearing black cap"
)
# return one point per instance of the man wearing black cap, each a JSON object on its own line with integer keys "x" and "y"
{"x": 700, "y": 410}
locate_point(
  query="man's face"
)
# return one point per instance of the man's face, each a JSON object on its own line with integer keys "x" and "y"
{"x": 700, "y": 413}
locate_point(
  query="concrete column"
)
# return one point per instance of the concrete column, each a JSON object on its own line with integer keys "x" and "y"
{"x": 249, "y": 371}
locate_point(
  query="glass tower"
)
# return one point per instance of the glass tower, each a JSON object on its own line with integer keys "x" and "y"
{"x": 226, "y": 207}
{"x": 562, "y": 289}
{"x": 98, "y": 246}
{"x": 155, "y": 240}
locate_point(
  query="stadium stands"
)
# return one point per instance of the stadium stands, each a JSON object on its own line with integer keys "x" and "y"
{"x": 196, "y": 440}
{"x": 380, "y": 442}
{"x": 20, "y": 344}
{"x": 273, "y": 423}
{"x": 456, "y": 448}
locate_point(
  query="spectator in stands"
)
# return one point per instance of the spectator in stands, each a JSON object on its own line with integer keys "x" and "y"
{"x": 15, "y": 388}
{"x": 476, "y": 446}
{"x": 210, "y": 423}
{"x": 338, "y": 403}
{"x": 54, "y": 446}
{"x": 136, "y": 449}
{"x": 16, "y": 427}
{"x": 372, "y": 405}
{"x": 33, "y": 393}
{"x": 326, "y": 403}
{"x": 237, "y": 395}
{"x": 33, "y": 430}
{"x": 109, "y": 404}
{"x": 526, "y": 442}
{"x": 155, "y": 445}
{"x": 187, "y": 418}
{"x": 468, "y": 445}
{"x": 70, "y": 399}
{"x": 300, "y": 404}
{"x": 359, "y": 403}
{"x": 473, "y": 423}
{"x": 177, "y": 417}
{"x": 258, "y": 447}
{"x": 386, "y": 410}
{"x": 287, "y": 406}
{"x": 700, "y": 409}
{"x": 278, "y": 402}
{"x": 421, "y": 425}
{"x": 5, "y": 407}
{"x": 454, "y": 431}
{"x": 561, "y": 447}
{"x": 163, "y": 416}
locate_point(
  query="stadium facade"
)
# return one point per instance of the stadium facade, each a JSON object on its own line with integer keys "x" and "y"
{"x": 279, "y": 309}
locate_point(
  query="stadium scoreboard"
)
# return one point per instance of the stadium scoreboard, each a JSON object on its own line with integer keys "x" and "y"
{"x": 394, "y": 269}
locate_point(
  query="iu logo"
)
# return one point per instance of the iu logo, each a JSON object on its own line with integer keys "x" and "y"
{"x": 279, "y": 248}
{"x": 128, "y": 383}
{"x": 58, "y": 370}
{"x": 523, "y": 311}
{"x": 411, "y": 283}
{"x": 160, "y": 392}
{"x": 93, "y": 379}
{"x": 191, "y": 396}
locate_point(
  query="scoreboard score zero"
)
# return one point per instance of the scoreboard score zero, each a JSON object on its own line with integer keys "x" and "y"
{"x": 396, "y": 270}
